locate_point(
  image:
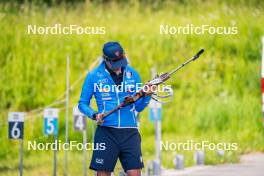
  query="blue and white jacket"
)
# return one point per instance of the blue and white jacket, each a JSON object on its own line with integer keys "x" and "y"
{"x": 99, "y": 83}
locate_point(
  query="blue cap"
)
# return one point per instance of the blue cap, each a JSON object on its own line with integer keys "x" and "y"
{"x": 114, "y": 54}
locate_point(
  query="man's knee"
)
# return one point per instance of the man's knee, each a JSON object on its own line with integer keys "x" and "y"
{"x": 103, "y": 173}
{"x": 134, "y": 172}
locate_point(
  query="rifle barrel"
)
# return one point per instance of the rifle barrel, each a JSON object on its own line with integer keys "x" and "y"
{"x": 188, "y": 61}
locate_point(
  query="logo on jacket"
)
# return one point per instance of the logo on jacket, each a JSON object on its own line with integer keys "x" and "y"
{"x": 99, "y": 74}
{"x": 128, "y": 74}
{"x": 102, "y": 81}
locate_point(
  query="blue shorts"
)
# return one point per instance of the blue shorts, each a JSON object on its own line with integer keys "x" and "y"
{"x": 122, "y": 143}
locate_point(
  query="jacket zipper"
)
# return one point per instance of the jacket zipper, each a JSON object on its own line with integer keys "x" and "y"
{"x": 118, "y": 110}
{"x": 133, "y": 113}
{"x": 118, "y": 97}
{"x": 104, "y": 107}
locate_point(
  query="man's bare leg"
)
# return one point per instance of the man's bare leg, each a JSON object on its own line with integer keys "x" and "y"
{"x": 134, "y": 172}
{"x": 103, "y": 173}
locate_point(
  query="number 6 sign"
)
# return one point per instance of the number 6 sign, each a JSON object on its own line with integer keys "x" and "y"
{"x": 51, "y": 121}
{"x": 15, "y": 125}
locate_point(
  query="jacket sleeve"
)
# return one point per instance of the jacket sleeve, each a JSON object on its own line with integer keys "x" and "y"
{"x": 143, "y": 101}
{"x": 86, "y": 96}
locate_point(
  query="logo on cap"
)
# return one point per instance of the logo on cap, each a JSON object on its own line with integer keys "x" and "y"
{"x": 117, "y": 53}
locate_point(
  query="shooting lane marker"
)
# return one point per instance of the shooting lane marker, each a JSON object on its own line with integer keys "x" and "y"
{"x": 155, "y": 115}
{"x": 67, "y": 113}
{"x": 179, "y": 161}
{"x": 152, "y": 168}
{"x": 262, "y": 80}
{"x": 16, "y": 131}
{"x": 51, "y": 128}
{"x": 199, "y": 157}
{"x": 220, "y": 153}
{"x": 80, "y": 124}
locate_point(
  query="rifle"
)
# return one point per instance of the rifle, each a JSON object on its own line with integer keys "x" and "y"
{"x": 159, "y": 79}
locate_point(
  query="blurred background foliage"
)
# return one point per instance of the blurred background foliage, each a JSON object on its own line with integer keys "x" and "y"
{"x": 217, "y": 98}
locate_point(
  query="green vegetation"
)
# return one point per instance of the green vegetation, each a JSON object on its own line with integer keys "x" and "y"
{"x": 218, "y": 98}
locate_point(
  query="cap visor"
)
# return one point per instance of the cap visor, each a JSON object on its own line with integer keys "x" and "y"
{"x": 120, "y": 63}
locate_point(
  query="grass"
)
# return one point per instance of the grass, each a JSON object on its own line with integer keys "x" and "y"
{"x": 217, "y": 98}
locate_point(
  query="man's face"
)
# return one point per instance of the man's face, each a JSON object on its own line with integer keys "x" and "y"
{"x": 115, "y": 70}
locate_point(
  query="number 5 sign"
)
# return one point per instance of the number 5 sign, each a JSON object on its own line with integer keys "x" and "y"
{"x": 51, "y": 121}
{"x": 79, "y": 120}
{"x": 15, "y": 125}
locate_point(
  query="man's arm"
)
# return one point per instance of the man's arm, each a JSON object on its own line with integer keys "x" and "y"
{"x": 86, "y": 96}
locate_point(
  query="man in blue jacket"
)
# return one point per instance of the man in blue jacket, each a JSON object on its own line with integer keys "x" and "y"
{"x": 110, "y": 83}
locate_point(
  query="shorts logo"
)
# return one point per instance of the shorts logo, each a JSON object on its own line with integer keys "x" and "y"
{"x": 141, "y": 159}
{"x": 99, "y": 161}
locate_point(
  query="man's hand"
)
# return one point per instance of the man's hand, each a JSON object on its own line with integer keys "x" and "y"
{"x": 99, "y": 118}
{"x": 149, "y": 89}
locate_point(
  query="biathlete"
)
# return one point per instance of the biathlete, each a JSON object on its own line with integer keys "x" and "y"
{"x": 118, "y": 133}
